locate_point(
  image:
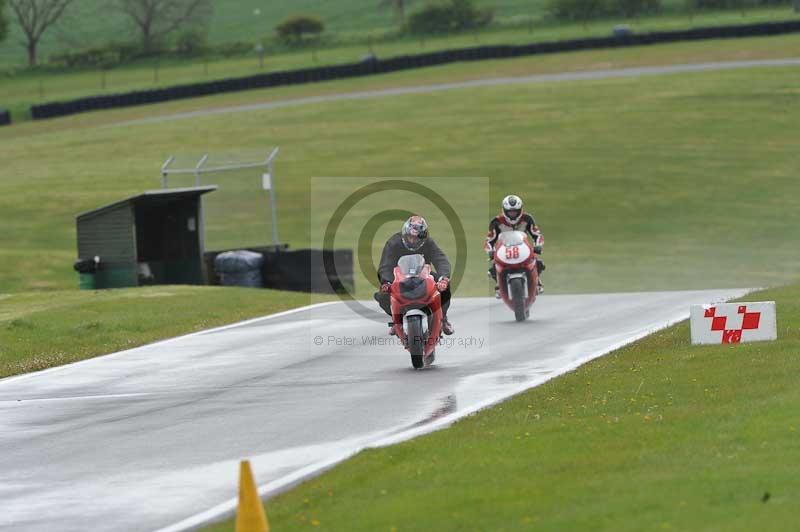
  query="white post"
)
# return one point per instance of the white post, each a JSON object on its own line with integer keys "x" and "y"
{"x": 272, "y": 200}
{"x": 164, "y": 171}
{"x": 198, "y": 169}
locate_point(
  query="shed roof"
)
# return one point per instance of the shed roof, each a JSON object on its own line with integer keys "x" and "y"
{"x": 150, "y": 196}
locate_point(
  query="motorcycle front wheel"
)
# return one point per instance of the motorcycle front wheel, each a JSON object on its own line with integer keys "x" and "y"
{"x": 416, "y": 343}
{"x": 517, "y": 290}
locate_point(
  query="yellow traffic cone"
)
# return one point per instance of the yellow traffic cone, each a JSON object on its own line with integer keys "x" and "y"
{"x": 250, "y": 516}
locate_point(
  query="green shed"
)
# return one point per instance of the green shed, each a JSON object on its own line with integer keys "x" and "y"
{"x": 152, "y": 238}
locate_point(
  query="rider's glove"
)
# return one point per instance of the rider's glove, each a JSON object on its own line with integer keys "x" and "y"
{"x": 385, "y": 287}
{"x": 441, "y": 284}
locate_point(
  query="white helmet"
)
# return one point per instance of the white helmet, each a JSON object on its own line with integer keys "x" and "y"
{"x": 512, "y": 209}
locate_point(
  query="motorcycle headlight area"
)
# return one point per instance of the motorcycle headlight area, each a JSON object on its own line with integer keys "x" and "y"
{"x": 413, "y": 288}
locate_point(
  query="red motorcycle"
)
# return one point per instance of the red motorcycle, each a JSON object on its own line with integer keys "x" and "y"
{"x": 416, "y": 309}
{"x": 517, "y": 275}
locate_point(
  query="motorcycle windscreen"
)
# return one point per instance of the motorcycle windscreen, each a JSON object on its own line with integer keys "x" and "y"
{"x": 411, "y": 265}
{"x": 512, "y": 238}
{"x": 413, "y": 288}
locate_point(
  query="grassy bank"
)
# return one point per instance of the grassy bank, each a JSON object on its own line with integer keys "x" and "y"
{"x": 42, "y": 330}
{"x": 660, "y": 435}
{"x": 679, "y": 181}
{"x": 688, "y": 52}
{"x": 26, "y": 88}
{"x": 691, "y": 176}
{"x": 346, "y": 21}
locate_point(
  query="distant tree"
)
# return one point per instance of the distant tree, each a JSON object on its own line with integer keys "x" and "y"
{"x": 294, "y": 30}
{"x": 399, "y": 7}
{"x": 3, "y": 21}
{"x": 733, "y": 4}
{"x": 467, "y": 17}
{"x": 34, "y": 17}
{"x": 444, "y": 17}
{"x": 192, "y": 42}
{"x": 156, "y": 19}
{"x": 579, "y": 10}
{"x": 634, "y": 8}
{"x": 433, "y": 18}
{"x": 713, "y": 4}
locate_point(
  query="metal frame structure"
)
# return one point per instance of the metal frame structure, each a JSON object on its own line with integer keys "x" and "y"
{"x": 200, "y": 168}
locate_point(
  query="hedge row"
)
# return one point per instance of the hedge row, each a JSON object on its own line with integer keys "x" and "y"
{"x": 5, "y": 117}
{"x": 375, "y": 66}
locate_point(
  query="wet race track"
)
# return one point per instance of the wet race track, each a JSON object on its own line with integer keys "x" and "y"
{"x": 150, "y": 438}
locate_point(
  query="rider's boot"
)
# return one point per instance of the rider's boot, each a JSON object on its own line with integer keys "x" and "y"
{"x": 496, "y": 292}
{"x": 391, "y": 329}
{"x": 540, "y": 268}
{"x": 447, "y": 327}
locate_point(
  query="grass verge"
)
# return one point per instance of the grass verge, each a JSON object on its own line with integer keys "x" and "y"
{"x": 677, "y": 53}
{"x": 27, "y": 88}
{"x": 626, "y": 176}
{"x": 41, "y": 330}
{"x": 660, "y": 435}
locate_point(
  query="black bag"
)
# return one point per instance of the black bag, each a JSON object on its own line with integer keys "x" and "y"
{"x": 87, "y": 265}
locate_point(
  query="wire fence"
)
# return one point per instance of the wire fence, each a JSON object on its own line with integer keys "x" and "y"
{"x": 242, "y": 212}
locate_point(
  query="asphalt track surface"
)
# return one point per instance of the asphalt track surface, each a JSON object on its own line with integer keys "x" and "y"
{"x": 485, "y": 82}
{"x": 150, "y": 438}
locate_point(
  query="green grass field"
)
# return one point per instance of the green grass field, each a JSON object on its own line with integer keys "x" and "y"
{"x": 41, "y": 330}
{"x": 688, "y": 52}
{"x": 660, "y": 435}
{"x": 26, "y": 88}
{"x": 690, "y": 176}
{"x": 670, "y": 182}
{"x": 345, "y": 20}
{"x": 234, "y": 21}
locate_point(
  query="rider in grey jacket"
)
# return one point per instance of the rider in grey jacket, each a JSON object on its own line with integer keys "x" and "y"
{"x": 413, "y": 239}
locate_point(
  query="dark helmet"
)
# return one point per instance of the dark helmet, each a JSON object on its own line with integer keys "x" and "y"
{"x": 512, "y": 209}
{"x": 414, "y": 233}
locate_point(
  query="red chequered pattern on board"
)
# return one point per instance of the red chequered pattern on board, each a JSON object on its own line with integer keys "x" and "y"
{"x": 750, "y": 320}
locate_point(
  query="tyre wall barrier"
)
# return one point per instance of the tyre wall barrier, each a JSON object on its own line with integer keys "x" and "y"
{"x": 324, "y": 271}
{"x": 398, "y": 63}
